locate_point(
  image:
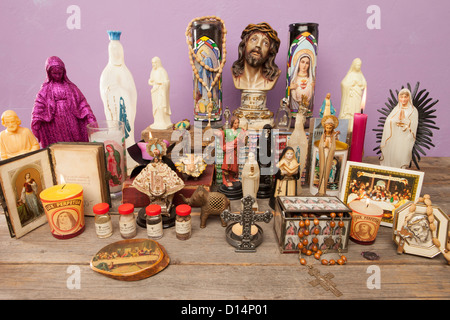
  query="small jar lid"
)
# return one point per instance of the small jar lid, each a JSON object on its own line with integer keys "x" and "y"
{"x": 153, "y": 210}
{"x": 183, "y": 210}
{"x": 126, "y": 208}
{"x": 101, "y": 208}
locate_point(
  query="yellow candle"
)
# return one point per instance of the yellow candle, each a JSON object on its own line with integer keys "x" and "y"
{"x": 64, "y": 207}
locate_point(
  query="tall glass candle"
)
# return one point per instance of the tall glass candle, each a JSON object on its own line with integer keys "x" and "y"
{"x": 111, "y": 133}
{"x": 207, "y": 42}
{"x": 63, "y": 205}
{"x": 301, "y": 67}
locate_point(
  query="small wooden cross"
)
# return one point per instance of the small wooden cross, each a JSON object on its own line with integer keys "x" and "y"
{"x": 324, "y": 281}
{"x": 403, "y": 234}
{"x": 246, "y": 219}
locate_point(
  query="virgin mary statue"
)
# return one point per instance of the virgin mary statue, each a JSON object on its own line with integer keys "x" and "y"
{"x": 399, "y": 133}
{"x": 159, "y": 79}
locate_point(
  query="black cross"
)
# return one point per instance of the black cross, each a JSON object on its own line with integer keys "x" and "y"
{"x": 247, "y": 218}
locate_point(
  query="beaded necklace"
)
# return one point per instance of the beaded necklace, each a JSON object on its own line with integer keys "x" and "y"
{"x": 315, "y": 251}
{"x": 323, "y": 280}
{"x": 426, "y": 199}
{"x": 218, "y": 71}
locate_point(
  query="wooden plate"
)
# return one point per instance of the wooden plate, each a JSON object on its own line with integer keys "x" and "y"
{"x": 130, "y": 260}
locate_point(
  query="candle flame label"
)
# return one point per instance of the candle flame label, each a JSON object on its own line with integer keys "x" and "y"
{"x": 56, "y": 205}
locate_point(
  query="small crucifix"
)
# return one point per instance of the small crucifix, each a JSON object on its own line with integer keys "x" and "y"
{"x": 246, "y": 219}
{"x": 324, "y": 281}
{"x": 403, "y": 234}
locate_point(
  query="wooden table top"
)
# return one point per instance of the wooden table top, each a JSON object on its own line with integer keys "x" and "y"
{"x": 206, "y": 267}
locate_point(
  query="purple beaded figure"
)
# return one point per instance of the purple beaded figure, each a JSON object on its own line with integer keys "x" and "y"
{"x": 61, "y": 112}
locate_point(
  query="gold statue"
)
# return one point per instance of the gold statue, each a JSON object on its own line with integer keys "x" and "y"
{"x": 15, "y": 140}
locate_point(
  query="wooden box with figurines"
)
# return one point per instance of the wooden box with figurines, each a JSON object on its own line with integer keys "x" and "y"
{"x": 322, "y": 221}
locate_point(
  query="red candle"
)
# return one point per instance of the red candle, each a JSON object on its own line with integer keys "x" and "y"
{"x": 358, "y": 135}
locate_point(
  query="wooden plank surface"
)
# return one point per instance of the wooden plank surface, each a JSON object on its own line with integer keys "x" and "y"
{"x": 206, "y": 267}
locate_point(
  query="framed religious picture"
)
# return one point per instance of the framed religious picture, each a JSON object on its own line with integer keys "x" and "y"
{"x": 386, "y": 187}
{"x": 415, "y": 232}
{"x": 24, "y": 177}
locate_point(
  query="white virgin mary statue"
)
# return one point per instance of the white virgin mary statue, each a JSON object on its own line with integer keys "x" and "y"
{"x": 118, "y": 92}
{"x": 353, "y": 90}
{"x": 159, "y": 80}
{"x": 399, "y": 133}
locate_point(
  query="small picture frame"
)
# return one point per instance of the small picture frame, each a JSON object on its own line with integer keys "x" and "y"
{"x": 419, "y": 240}
{"x": 387, "y": 187}
{"x": 24, "y": 177}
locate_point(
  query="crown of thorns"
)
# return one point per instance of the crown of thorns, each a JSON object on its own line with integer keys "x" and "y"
{"x": 264, "y": 28}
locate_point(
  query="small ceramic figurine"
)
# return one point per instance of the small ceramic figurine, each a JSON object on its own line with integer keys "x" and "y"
{"x": 15, "y": 140}
{"x": 232, "y": 140}
{"x": 118, "y": 91}
{"x": 226, "y": 118}
{"x": 399, "y": 133}
{"x": 255, "y": 67}
{"x": 327, "y": 148}
{"x": 250, "y": 178}
{"x": 60, "y": 112}
{"x": 327, "y": 107}
{"x": 287, "y": 175}
{"x": 284, "y": 117}
{"x": 299, "y": 142}
{"x": 191, "y": 165}
{"x": 353, "y": 90}
{"x": 159, "y": 79}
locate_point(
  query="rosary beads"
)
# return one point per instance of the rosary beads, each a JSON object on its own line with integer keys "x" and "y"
{"x": 314, "y": 249}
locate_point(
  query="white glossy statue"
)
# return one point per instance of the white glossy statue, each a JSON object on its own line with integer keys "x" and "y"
{"x": 250, "y": 178}
{"x": 399, "y": 133}
{"x": 299, "y": 142}
{"x": 159, "y": 80}
{"x": 353, "y": 89}
{"x": 118, "y": 91}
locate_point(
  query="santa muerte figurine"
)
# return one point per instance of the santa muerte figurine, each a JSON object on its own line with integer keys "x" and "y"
{"x": 61, "y": 112}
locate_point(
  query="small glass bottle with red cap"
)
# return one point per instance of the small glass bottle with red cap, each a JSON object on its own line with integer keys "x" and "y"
{"x": 154, "y": 222}
{"x": 183, "y": 228}
{"x": 103, "y": 224}
{"x": 127, "y": 222}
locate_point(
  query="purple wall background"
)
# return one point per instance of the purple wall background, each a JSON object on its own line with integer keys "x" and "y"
{"x": 410, "y": 46}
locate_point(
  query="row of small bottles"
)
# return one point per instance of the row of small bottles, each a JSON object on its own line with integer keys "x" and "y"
{"x": 127, "y": 221}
